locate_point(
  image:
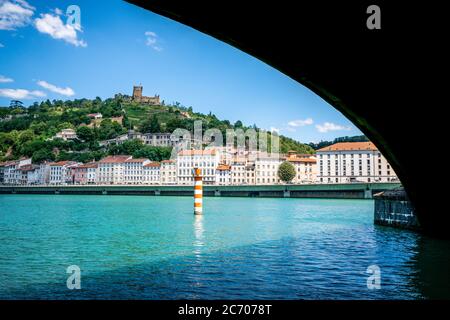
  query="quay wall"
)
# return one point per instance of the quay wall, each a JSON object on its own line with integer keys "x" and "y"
{"x": 393, "y": 209}
{"x": 337, "y": 191}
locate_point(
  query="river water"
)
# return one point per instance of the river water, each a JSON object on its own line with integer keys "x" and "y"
{"x": 136, "y": 247}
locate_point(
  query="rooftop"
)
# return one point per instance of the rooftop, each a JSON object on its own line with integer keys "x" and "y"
{"x": 137, "y": 160}
{"x": 298, "y": 158}
{"x": 88, "y": 165}
{"x": 223, "y": 167}
{"x": 152, "y": 164}
{"x": 115, "y": 159}
{"x": 350, "y": 146}
{"x": 59, "y": 163}
{"x": 28, "y": 167}
{"x": 207, "y": 152}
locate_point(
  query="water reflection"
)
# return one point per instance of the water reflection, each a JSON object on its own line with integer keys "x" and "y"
{"x": 199, "y": 237}
{"x": 431, "y": 265}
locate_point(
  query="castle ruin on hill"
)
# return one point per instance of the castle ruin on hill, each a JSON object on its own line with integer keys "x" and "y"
{"x": 138, "y": 97}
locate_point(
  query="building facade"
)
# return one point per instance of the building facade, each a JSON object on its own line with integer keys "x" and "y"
{"x": 305, "y": 168}
{"x": 168, "y": 172}
{"x": 134, "y": 171}
{"x": 348, "y": 162}
{"x": 223, "y": 175}
{"x": 111, "y": 170}
{"x": 266, "y": 170}
{"x": 85, "y": 174}
{"x": 11, "y": 171}
{"x": 66, "y": 134}
{"x": 206, "y": 160}
{"x": 61, "y": 173}
{"x": 152, "y": 173}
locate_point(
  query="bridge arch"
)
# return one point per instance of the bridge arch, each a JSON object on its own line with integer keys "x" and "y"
{"x": 363, "y": 73}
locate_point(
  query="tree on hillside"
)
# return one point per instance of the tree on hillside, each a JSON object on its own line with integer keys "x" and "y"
{"x": 85, "y": 133}
{"x": 109, "y": 129}
{"x": 153, "y": 153}
{"x": 286, "y": 171}
{"x": 150, "y": 125}
{"x": 16, "y": 104}
{"x": 42, "y": 155}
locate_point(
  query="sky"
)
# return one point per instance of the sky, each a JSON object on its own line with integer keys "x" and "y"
{"x": 47, "y": 52}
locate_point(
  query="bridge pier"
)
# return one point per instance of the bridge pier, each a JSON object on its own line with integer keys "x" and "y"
{"x": 104, "y": 192}
{"x": 217, "y": 193}
{"x": 157, "y": 192}
{"x": 393, "y": 209}
{"x": 286, "y": 194}
{"x": 368, "y": 194}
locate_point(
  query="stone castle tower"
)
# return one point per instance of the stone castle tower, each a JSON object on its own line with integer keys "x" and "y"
{"x": 137, "y": 92}
{"x": 138, "y": 97}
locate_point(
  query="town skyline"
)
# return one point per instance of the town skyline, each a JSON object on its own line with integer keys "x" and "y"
{"x": 176, "y": 62}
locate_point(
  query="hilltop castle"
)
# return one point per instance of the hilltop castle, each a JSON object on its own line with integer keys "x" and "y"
{"x": 138, "y": 97}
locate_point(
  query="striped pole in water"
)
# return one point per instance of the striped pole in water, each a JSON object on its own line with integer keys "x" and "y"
{"x": 198, "y": 192}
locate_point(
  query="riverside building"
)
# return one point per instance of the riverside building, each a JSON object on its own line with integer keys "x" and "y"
{"x": 348, "y": 162}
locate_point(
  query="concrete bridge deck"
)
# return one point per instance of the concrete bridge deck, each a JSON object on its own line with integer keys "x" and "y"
{"x": 339, "y": 191}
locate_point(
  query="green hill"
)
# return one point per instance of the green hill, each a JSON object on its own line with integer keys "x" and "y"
{"x": 27, "y": 131}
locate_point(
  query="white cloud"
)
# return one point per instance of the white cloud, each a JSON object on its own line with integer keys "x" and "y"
{"x": 58, "y": 11}
{"x": 329, "y": 126}
{"x": 21, "y": 94}
{"x": 273, "y": 129}
{"x": 51, "y": 87}
{"x": 300, "y": 123}
{"x": 14, "y": 14}
{"x": 54, "y": 26}
{"x": 4, "y": 79}
{"x": 152, "y": 40}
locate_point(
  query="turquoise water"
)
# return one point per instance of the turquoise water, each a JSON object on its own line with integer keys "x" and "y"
{"x": 242, "y": 248}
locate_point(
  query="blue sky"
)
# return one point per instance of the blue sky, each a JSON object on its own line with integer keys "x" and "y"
{"x": 117, "y": 45}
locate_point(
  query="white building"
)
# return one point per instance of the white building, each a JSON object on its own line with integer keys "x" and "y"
{"x": 266, "y": 169}
{"x": 353, "y": 162}
{"x": 152, "y": 173}
{"x": 11, "y": 172}
{"x": 158, "y": 139}
{"x": 61, "y": 172}
{"x": 29, "y": 174}
{"x": 2, "y": 173}
{"x": 250, "y": 174}
{"x": 206, "y": 160}
{"x": 44, "y": 173}
{"x": 66, "y": 134}
{"x": 223, "y": 175}
{"x": 134, "y": 171}
{"x": 237, "y": 172}
{"x": 168, "y": 172}
{"x": 111, "y": 170}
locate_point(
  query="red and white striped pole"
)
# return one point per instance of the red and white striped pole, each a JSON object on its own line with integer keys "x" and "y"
{"x": 198, "y": 191}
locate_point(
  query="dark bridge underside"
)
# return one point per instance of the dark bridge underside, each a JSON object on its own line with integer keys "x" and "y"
{"x": 376, "y": 78}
